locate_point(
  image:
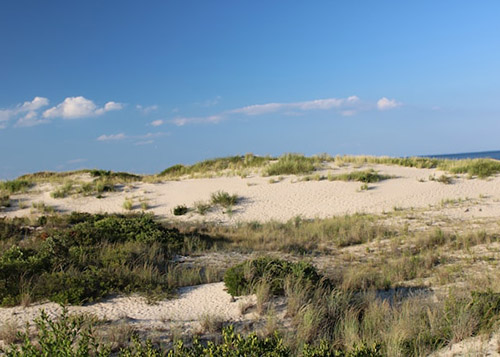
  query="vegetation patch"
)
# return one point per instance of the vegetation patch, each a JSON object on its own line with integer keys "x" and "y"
{"x": 231, "y": 163}
{"x": 15, "y": 186}
{"x": 366, "y": 176}
{"x": 180, "y": 210}
{"x": 291, "y": 164}
{"x": 224, "y": 199}
{"x": 83, "y": 257}
{"x": 242, "y": 279}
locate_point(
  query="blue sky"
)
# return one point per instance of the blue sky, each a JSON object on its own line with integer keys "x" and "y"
{"x": 139, "y": 86}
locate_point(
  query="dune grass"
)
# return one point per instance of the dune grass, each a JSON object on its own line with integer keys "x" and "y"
{"x": 365, "y": 176}
{"x": 291, "y": 164}
{"x": 230, "y": 163}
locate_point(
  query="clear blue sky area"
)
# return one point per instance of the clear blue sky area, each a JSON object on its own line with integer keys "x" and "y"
{"x": 141, "y": 85}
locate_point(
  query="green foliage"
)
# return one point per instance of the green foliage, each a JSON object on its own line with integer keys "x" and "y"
{"x": 180, "y": 210}
{"x": 366, "y": 176}
{"x": 15, "y": 186}
{"x": 291, "y": 164}
{"x": 242, "y": 279}
{"x": 325, "y": 349}
{"x": 65, "y": 336}
{"x": 84, "y": 257}
{"x": 224, "y": 199}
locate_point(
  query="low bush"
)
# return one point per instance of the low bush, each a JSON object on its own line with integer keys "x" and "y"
{"x": 180, "y": 210}
{"x": 84, "y": 257}
{"x": 242, "y": 279}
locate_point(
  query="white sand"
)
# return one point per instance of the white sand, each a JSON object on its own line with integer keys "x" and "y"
{"x": 185, "y": 310}
{"x": 263, "y": 201}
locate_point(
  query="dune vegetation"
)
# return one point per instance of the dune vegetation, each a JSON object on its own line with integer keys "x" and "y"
{"x": 380, "y": 303}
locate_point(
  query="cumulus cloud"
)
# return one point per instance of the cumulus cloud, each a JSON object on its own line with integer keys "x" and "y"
{"x": 30, "y": 119}
{"x": 157, "y": 122}
{"x": 385, "y": 103}
{"x": 112, "y": 137}
{"x": 27, "y": 111}
{"x": 79, "y": 107}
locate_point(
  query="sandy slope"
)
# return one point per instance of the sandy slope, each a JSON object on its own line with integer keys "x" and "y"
{"x": 290, "y": 197}
{"x": 191, "y": 304}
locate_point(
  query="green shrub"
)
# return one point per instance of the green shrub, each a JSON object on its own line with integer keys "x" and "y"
{"x": 180, "y": 210}
{"x": 242, "y": 279}
{"x": 224, "y": 199}
{"x": 65, "y": 336}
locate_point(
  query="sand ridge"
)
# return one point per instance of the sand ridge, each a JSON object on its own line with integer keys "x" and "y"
{"x": 288, "y": 198}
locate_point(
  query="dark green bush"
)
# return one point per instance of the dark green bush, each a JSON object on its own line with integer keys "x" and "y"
{"x": 180, "y": 210}
{"x": 83, "y": 257}
{"x": 241, "y": 279}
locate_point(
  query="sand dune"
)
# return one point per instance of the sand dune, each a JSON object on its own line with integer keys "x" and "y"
{"x": 290, "y": 197}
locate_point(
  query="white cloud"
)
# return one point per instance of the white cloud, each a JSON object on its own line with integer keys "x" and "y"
{"x": 112, "y": 137}
{"x": 157, "y": 122}
{"x": 36, "y": 103}
{"x": 30, "y": 119}
{"x": 146, "y": 110}
{"x": 79, "y": 107}
{"x": 385, "y": 103}
{"x": 108, "y": 107}
{"x": 27, "y": 109}
{"x": 348, "y": 105}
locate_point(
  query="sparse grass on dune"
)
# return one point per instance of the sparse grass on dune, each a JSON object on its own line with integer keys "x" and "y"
{"x": 15, "y": 186}
{"x": 231, "y": 163}
{"x": 291, "y": 164}
{"x": 366, "y": 176}
{"x": 302, "y": 235}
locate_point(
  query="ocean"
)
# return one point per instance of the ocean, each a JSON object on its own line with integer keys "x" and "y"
{"x": 468, "y": 155}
